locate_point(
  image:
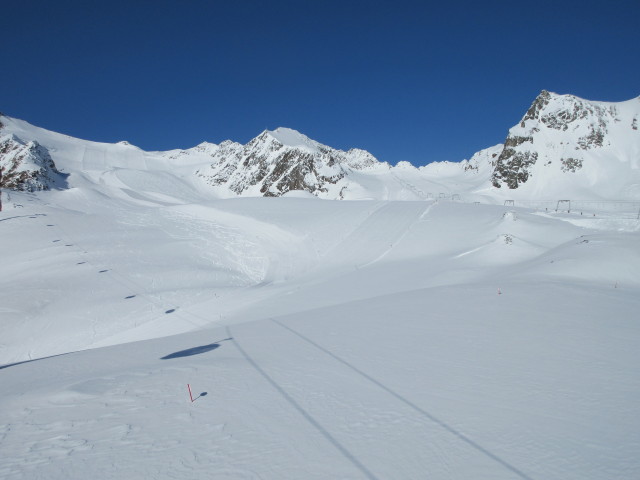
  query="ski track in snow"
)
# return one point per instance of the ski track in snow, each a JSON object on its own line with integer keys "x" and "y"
{"x": 410, "y": 404}
{"x": 382, "y": 229}
{"x": 403, "y": 234}
{"x": 343, "y": 451}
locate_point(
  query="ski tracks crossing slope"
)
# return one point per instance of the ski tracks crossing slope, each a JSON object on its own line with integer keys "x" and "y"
{"x": 369, "y": 424}
{"x": 374, "y": 238}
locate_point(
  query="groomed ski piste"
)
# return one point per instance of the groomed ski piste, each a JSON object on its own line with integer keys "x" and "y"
{"x": 321, "y": 339}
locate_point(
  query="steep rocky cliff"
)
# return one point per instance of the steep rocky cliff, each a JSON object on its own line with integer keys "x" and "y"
{"x": 562, "y": 135}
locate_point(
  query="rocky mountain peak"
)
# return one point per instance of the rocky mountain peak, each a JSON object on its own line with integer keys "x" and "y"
{"x": 281, "y": 160}
{"x": 541, "y": 101}
{"x": 564, "y": 133}
{"x": 26, "y": 166}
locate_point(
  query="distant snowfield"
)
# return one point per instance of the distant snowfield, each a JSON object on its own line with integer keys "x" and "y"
{"x": 322, "y": 339}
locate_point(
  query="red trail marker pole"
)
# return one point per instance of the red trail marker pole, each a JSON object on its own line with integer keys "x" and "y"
{"x": 190, "y": 395}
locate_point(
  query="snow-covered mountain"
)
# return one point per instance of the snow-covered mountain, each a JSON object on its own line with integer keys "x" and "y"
{"x": 567, "y": 146}
{"x": 156, "y": 324}
{"x": 275, "y": 163}
{"x": 564, "y": 147}
{"x": 283, "y": 160}
{"x": 26, "y": 166}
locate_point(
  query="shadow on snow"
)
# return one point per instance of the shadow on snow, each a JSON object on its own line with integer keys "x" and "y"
{"x": 194, "y": 351}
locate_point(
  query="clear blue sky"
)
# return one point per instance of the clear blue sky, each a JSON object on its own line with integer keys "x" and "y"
{"x": 407, "y": 80}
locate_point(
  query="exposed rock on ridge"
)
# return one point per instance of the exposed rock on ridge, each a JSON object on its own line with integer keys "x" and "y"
{"x": 561, "y": 130}
{"x": 562, "y": 145}
{"x": 26, "y": 166}
{"x": 279, "y": 161}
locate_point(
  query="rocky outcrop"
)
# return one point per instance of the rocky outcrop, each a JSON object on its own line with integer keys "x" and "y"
{"x": 279, "y": 161}
{"x": 26, "y": 166}
{"x": 557, "y": 130}
{"x": 513, "y": 166}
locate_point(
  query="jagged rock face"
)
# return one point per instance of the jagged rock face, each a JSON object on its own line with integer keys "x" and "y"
{"x": 26, "y": 167}
{"x": 277, "y": 162}
{"x": 557, "y": 129}
{"x": 513, "y": 166}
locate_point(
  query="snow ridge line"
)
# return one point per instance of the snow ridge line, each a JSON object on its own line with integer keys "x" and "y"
{"x": 412, "y": 405}
{"x": 348, "y": 455}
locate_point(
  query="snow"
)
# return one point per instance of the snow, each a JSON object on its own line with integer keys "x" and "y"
{"x": 292, "y": 138}
{"x": 299, "y": 194}
{"x": 610, "y": 172}
{"x": 423, "y": 338}
{"x": 561, "y": 131}
{"x": 28, "y": 162}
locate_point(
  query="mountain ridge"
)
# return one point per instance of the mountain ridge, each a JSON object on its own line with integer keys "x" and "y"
{"x": 564, "y": 134}
{"x": 563, "y": 145}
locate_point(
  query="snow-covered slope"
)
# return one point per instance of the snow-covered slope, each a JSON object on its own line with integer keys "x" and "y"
{"x": 567, "y": 147}
{"x": 274, "y": 163}
{"x": 321, "y": 339}
{"x": 375, "y": 339}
